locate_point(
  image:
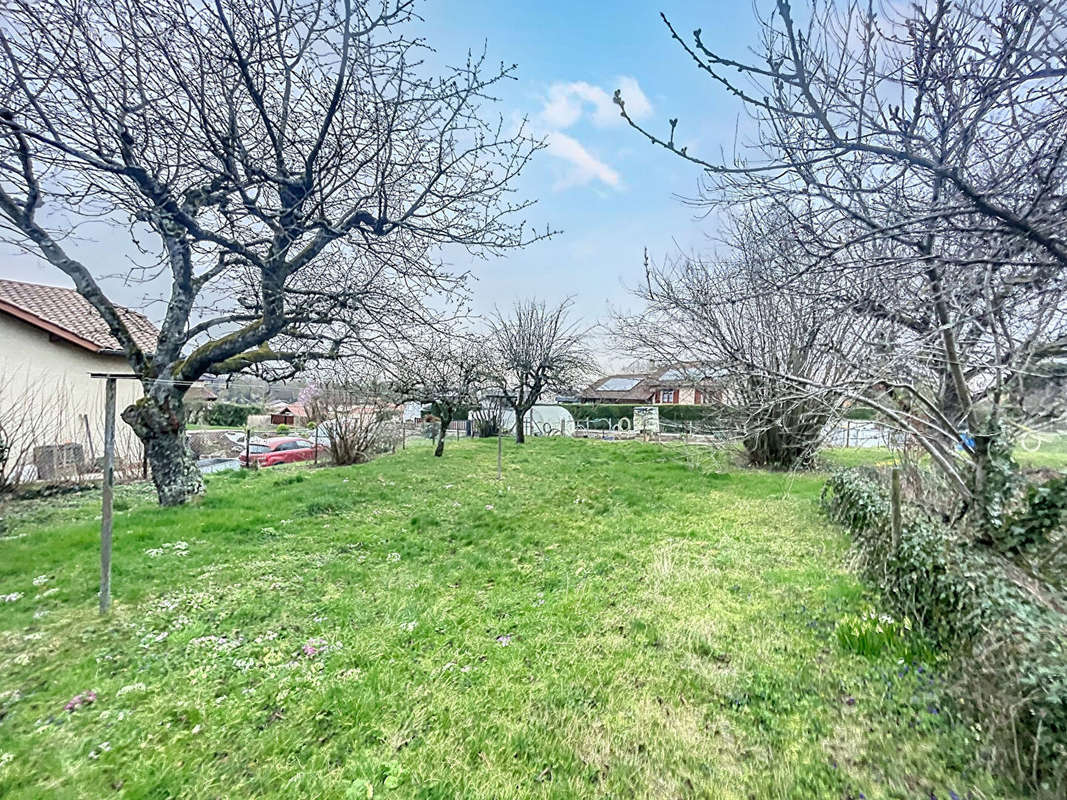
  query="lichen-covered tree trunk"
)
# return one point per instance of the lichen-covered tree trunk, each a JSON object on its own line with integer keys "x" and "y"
{"x": 446, "y": 420}
{"x": 159, "y": 422}
{"x": 787, "y": 442}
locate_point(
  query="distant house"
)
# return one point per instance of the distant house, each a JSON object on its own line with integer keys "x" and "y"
{"x": 200, "y": 393}
{"x": 288, "y": 414}
{"x": 634, "y": 388}
{"x": 674, "y": 384}
{"x": 51, "y": 339}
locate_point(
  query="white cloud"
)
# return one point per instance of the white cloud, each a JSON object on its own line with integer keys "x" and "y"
{"x": 638, "y": 105}
{"x": 565, "y": 105}
{"x": 585, "y": 167}
{"x": 566, "y": 102}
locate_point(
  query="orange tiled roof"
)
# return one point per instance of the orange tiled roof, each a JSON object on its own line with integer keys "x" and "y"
{"x": 67, "y": 314}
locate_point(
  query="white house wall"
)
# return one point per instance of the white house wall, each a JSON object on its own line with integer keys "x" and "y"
{"x": 49, "y": 380}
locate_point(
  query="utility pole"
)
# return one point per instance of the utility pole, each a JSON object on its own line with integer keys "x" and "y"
{"x": 106, "y": 517}
{"x": 108, "y": 489}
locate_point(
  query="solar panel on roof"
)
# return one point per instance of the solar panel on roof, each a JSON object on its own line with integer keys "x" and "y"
{"x": 619, "y": 384}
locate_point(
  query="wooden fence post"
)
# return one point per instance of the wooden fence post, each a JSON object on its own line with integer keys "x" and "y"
{"x": 894, "y": 503}
{"x": 106, "y": 519}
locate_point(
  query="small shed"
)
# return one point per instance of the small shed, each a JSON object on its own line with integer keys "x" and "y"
{"x": 288, "y": 414}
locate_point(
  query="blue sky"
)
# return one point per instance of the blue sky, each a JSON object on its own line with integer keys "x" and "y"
{"x": 611, "y": 193}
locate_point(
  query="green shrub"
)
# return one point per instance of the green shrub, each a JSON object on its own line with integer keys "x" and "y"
{"x": 1007, "y": 637}
{"x": 860, "y": 413}
{"x": 233, "y": 415}
{"x": 673, "y": 413}
{"x": 1043, "y": 513}
{"x": 283, "y": 428}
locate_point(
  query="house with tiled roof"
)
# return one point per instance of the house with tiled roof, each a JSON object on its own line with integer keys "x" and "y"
{"x": 672, "y": 384}
{"x": 51, "y": 340}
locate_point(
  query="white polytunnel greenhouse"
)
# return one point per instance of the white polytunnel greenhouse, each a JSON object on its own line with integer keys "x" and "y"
{"x": 541, "y": 420}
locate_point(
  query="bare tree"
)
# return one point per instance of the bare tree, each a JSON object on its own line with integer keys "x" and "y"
{"x": 725, "y": 318}
{"x": 290, "y": 164}
{"x": 927, "y": 142}
{"x": 448, "y": 371}
{"x": 536, "y": 347}
{"x": 355, "y": 415}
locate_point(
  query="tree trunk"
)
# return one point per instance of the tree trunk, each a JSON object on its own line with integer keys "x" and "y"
{"x": 785, "y": 444}
{"x": 520, "y": 427}
{"x": 441, "y": 436}
{"x": 995, "y": 478}
{"x": 159, "y": 422}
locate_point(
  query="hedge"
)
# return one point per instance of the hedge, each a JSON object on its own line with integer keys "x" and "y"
{"x": 1008, "y": 640}
{"x": 229, "y": 414}
{"x": 860, "y": 413}
{"x": 672, "y": 412}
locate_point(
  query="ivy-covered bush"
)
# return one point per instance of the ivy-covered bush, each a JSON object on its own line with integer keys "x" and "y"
{"x": 233, "y": 415}
{"x": 1006, "y": 631}
{"x": 1043, "y": 512}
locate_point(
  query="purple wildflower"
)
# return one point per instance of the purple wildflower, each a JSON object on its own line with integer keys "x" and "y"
{"x": 79, "y": 700}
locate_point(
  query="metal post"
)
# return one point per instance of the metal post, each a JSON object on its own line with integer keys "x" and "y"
{"x": 248, "y": 448}
{"x": 894, "y": 501}
{"x": 316, "y": 444}
{"x": 499, "y": 454}
{"x": 106, "y": 521}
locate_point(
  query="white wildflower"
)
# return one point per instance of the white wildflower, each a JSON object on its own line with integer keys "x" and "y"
{"x": 10, "y": 598}
{"x": 40, "y": 580}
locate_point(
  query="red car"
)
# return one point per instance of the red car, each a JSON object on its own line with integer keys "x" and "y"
{"x": 280, "y": 450}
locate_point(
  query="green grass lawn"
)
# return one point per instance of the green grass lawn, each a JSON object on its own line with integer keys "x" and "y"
{"x": 610, "y": 620}
{"x": 1034, "y": 450}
